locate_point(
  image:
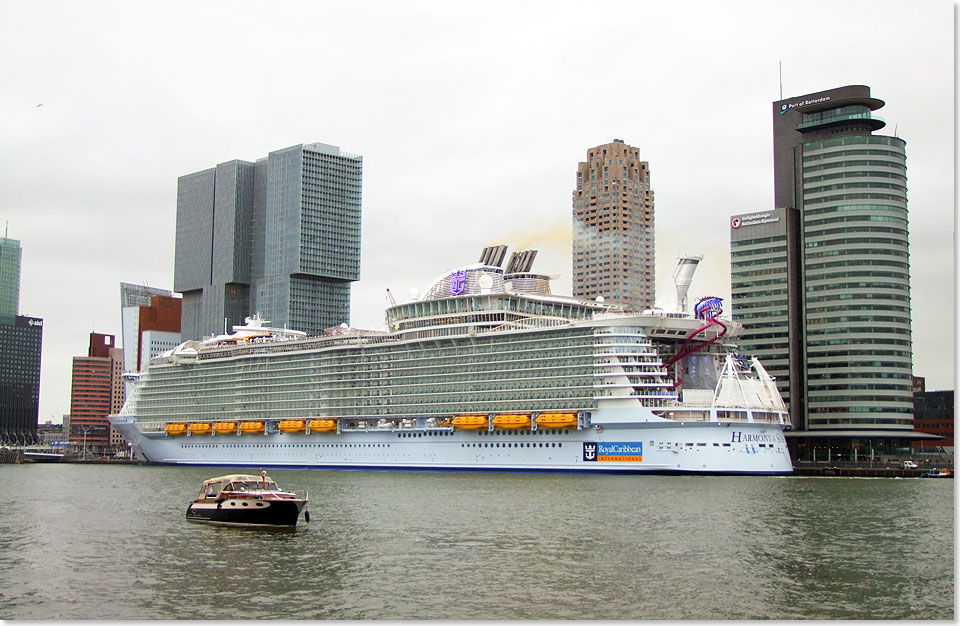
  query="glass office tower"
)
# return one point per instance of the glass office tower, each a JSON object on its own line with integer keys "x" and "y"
{"x": 823, "y": 280}
{"x": 279, "y": 237}
{"x": 21, "y": 339}
{"x": 9, "y": 276}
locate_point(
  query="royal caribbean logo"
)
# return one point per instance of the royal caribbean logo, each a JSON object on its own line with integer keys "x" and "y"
{"x": 616, "y": 451}
{"x": 458, "y": 281}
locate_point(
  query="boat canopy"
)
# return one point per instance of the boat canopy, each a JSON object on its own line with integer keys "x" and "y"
{"x": 237, "y": 482}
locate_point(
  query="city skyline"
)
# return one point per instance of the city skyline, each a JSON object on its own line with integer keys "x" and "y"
{"x": 468, "y": 139}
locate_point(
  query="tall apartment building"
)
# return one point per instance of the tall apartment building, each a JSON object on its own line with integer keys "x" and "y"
{"x": 21, "y": 339}
{"x": 821, "y": 282}
{"x": 96, "y": 392}
{"x": 279, "y": 237}
{"x": 613, "y": 236}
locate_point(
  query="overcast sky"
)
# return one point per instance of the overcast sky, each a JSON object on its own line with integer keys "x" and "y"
{"x": 471, "y": 118}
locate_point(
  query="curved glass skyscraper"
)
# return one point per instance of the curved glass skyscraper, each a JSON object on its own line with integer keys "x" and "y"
{"x": 821, "y": 282}
{"x": 856, "y": 282}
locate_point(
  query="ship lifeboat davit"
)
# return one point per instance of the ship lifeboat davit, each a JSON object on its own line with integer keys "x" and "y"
{"x": 199, "y": 428}
{"x": 557, "y": 420}
{"x": 251, "y": 428}
{"x": 176, "y": 429}
{"x": 470, "y": 422}
{"x": 322, "y": 426}
{"x": 511, "y": 421}
{"x": 225, "y": 427}
{"x": 292, "y": 426}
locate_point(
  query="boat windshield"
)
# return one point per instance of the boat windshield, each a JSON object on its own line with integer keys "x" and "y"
{"x": 252, "y": 485}
{"x": 210, "y": 490}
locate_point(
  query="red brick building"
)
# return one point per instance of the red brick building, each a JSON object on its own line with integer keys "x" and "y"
{"x": 96, "y": 392}
{"x": 163, "y": 314}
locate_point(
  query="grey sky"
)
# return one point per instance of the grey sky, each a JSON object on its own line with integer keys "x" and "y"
{"x": 471, "y": 118}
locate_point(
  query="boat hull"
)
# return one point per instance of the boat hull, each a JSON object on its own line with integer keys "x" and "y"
{"x": 640, "y": 447}
{"x": 247, "y": 512}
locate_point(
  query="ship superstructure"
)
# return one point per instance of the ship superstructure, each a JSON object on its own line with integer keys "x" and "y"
{"x": 486, "y": 370}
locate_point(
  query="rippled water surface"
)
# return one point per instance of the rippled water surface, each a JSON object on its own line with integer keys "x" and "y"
{"x": 103, "y": 542}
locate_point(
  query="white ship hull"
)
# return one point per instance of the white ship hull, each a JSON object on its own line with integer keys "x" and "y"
{"x": 486, "y": 371}
{"x": 644, "y": 447}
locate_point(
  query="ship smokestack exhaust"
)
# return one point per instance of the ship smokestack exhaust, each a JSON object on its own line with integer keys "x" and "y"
{"x": 521, "y": 262}
{"x": 683, "y": 276}
{"x": 493, "y": 255}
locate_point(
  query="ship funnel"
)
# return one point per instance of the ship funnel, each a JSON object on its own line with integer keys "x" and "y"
{"x": 683, "y": 276}
{"x": 493, "y": 255}
{"x": 521, "y": 262}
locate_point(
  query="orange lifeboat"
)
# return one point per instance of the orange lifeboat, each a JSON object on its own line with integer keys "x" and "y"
{"x": 292, "y": 426}
{"x": 176, "y": 429}
{"x": 322, "y": 426}
{"x": 225, "y": 428}
{"x": 199, "y": 428}
{"x": 512, "y": 421}
{"x": 251, "y": 428}
{"x": 470, "y": 422}
{"x": 557, "y": 420}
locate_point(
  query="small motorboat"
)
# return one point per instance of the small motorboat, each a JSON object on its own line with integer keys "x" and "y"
{"x": 247, "y": 500}
{"x": 937, "y": 473}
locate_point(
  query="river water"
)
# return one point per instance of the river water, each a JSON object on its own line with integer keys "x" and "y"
{"x": 111, "y": 542}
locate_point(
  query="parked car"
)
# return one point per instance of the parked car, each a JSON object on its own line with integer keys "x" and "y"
{"x": 910, "y": 465}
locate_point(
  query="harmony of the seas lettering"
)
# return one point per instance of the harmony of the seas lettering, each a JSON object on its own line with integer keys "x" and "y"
{"x": 741, "y": 437}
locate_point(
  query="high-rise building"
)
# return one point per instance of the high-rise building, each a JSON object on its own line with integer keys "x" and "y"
{"x": 159, "y": 328}
{"x": 9, "y": 276}
{"x": 613, "y": 243}
{"x": 96, "y": 392}
{"x": 279, "y": 238}
{"x": 821, "y": 282}
{"x": 21, "y": 339}
{"x": 150, "y": 330}
{"x": 132, "y": 299}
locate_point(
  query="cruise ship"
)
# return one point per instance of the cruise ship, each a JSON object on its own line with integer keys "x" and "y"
{"x": 486, "y": 370}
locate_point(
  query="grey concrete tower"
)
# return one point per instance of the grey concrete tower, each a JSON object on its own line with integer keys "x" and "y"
{"x": 279, "y": 237}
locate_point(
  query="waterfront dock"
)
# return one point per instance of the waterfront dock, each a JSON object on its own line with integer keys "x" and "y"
{"x": 859, "y": 471}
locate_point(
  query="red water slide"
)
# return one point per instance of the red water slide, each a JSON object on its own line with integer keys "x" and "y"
{"x": 683, "y": 351}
